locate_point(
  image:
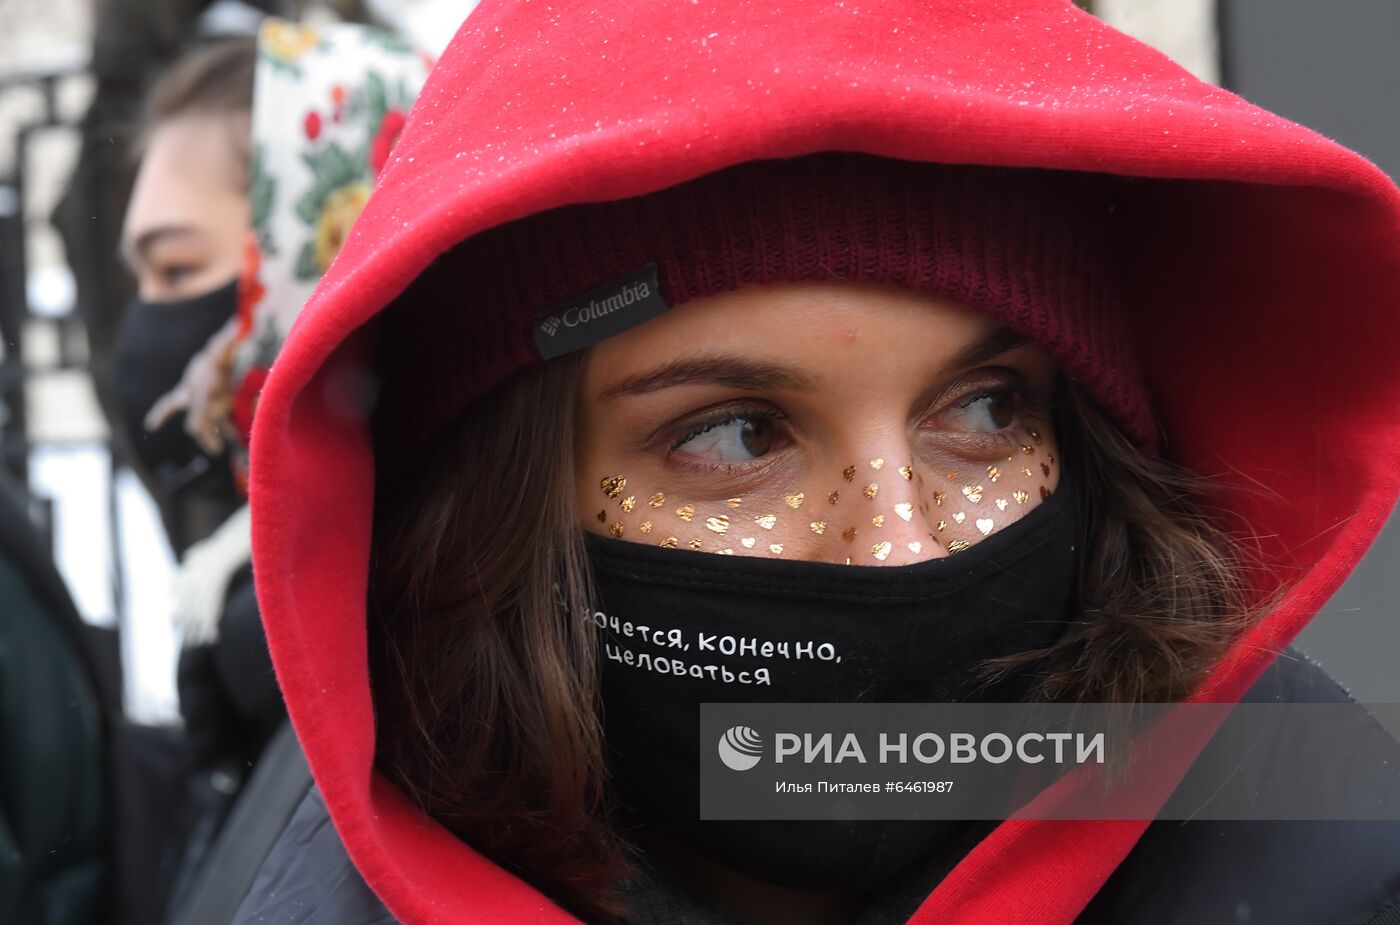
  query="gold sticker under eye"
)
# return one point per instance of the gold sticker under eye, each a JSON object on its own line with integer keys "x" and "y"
{"x": 1044, "y": 493}
{"x": 748, "y": 542}
{"x": 695, "y": 544}
{"x": 645, "y": 527}
{"x": 1027, "y": 470}
{"x": 877, "y": 463}
{"x": 670, "y": 542}
{"x": 958, "y": 545}
{"x": 1035, "y": 435}
{"x": 776, "y": 549}
{"x": 1001, "y": 504}
{"x": 628, "y": 503}
{"x": 881, "y": 551}
{"x": 602, "y": 517}
{"x": 656, "y": 500}
{"x": 905, "y": 510}
{"x": 951, "y": 476}
{"x": 734, "y": 502}
{"x": 794, "y": 501}
{"x": 849, "y": 473}
{"x": 818, "y": 527}
{"x": 939, "y": 497}
{"x": 870, "y": 491}
{"x": 766, "y": 521}
{"x": 907, "y": 472}
{"x": 959, "y": 517}
{"x": 973, "y": 493}
{"x": 1045, "y": 469}
{"x": 1050, "y": 456}
{"x": 833, "y": 497}
{"x": 993, "y": 473}
{"x": 878, "y": 520}
{"x": 849, "y": 534}
{"x": 612, "y": 485}
{"x": 725, "y": 552}
{"x": 685, "y": 512}
{"x": 942, "y": 525}
{"x": 1020, "y": 496}
{"x": 984, "y": 524}
{"x": 916, "y": 547}
{"x": 616, "y": 529}
{"x": 1027, "y": 449}
{"x": 718, "y": 524}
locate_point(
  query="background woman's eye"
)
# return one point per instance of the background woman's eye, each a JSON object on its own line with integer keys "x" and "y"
{"x": 176, "y": 274}
{"x": 986, "y": 412}
{"x": 735, "y": 439}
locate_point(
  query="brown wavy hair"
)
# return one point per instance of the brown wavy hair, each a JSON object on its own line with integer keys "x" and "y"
{"x": 485, "y": 689}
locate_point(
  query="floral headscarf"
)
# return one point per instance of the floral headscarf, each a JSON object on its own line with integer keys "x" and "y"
{"x": 329, "y": 102}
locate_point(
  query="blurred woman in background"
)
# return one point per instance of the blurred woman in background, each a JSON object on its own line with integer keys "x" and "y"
{"x": 256, "y": 156}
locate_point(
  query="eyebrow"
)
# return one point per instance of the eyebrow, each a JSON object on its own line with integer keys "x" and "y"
{"x": 734, "y": 372}
{"x": 141, "y": 245}
{"x": 739, "y": 373}
{"x": 989, "y": 346}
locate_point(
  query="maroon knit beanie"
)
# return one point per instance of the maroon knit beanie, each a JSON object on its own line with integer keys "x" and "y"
{"x": 1028, "y": 247}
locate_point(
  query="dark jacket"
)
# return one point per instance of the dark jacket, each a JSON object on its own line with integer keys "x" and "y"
{"x": 54, "y": 859}
{"x": 281, "y": 862}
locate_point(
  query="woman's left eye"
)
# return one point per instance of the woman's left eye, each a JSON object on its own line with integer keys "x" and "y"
{"x": 733, "y": 440}
{"x": 176, "y": 274}
{"x": 984, "y": 412}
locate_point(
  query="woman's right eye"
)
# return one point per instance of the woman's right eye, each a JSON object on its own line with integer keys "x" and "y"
{"x": 733, "y": 440}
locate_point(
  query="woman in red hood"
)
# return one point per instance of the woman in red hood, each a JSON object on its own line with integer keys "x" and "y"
{"x": 926, "y": 352}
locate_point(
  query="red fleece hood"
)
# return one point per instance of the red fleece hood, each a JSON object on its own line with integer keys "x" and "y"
{"x": 1263, "y": 290}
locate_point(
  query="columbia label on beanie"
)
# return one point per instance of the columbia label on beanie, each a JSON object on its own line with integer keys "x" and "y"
{"x": 600, "y": 313}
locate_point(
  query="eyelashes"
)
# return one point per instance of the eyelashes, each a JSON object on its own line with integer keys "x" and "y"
{"x": 759, "y": 431}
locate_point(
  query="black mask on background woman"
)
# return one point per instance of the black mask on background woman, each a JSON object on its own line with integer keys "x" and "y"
{"x": 155, "y": 342}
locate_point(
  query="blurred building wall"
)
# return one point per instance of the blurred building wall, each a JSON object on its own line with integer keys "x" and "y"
{"x": 1335, "y": 67}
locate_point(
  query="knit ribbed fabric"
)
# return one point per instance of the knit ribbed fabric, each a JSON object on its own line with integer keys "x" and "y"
{"x": 1027, "y": 247}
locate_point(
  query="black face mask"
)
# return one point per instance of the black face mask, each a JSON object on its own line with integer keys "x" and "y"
{"x": 155, "y": 342}
{"x": 910, "y": 633}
